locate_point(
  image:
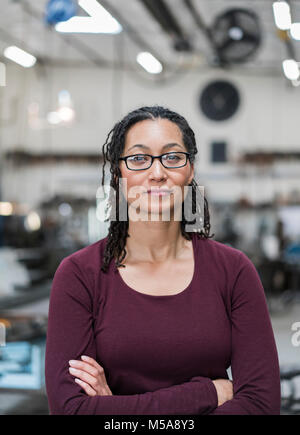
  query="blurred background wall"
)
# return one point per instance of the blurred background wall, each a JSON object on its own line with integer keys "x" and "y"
{"x": 266, "y": 121}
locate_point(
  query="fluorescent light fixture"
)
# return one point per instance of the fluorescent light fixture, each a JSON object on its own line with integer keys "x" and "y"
{"x": 282, "y": 15}
{"x": 100, "y": 14}
{"x": 19, "y": 56}
{"x": 149, "y": 62}
{"x": 291, "y": 69}
{"x": 99, "y": 21}
{"x": 84, "y": 25}
{"x": 295, "y": 31}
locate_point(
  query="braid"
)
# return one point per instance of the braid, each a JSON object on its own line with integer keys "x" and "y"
{"x": 111, "y": 151}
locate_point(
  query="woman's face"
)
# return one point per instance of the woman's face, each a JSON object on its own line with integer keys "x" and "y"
{"x": 154, "y": 137}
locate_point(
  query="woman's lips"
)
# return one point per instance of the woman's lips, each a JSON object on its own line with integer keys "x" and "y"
{"x": 159, "y": 192}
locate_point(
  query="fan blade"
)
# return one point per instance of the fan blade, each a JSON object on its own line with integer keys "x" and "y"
{"x": 250, "y": 37}
{"x": 233, "y": 20}
{"x": 227, "y": 43}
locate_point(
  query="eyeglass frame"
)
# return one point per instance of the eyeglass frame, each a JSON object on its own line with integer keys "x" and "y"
{"x": 157, "y": 157}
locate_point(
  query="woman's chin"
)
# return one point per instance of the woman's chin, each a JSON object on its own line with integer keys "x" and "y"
{"x": 154, "y": 213}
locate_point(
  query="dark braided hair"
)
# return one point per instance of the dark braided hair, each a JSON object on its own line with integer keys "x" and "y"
{"x": 112, "y": 150}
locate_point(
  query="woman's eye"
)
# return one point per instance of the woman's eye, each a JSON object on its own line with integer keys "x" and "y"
{"x": 173, "y": 157}
{"x": 138, "y": 158}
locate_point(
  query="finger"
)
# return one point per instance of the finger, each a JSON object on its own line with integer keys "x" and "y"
{"x": 94, "y": 382}
{"x": 84, "y": 366}
{"x": 94, "y": 363}
{"x": 86, "y": 387}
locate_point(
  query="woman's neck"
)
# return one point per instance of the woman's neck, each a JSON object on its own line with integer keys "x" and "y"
{"x": 154, "y": 242}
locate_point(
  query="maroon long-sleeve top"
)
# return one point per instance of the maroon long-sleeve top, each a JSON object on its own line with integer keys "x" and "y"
{"x": 161, "y": 353}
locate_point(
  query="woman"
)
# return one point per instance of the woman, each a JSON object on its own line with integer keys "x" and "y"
{"x": 149, "y": 319}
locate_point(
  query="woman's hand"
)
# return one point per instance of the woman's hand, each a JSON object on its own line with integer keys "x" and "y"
{"x": 90, "y": 376}
{"x": 224, "y": 389}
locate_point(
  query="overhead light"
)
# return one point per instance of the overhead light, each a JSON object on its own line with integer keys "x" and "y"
{"x": 19, "y": 56}
{"x": 282, "y": 15}
{"x": 291, "y": 69}
{"x": 101, "y": 15}
{"x": 99, "y": 21}
{"x": 85, "y": 25}
{"x": 295, "y": 31}
{"x": 149, "y": 62}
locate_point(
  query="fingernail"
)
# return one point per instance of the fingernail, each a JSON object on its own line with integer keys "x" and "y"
{"x": 85, "y": 358}
{"x": 73, "y": 370}
{"x": 72, "y": 361}
{"x": 77, "y": 380}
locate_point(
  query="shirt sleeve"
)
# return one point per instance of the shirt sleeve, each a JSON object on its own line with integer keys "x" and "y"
{"x": 70, "y": 335}
{"x": 254, "y": 359}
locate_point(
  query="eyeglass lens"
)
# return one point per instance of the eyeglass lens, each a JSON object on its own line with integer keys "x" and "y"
{"x": 143, "y": 161}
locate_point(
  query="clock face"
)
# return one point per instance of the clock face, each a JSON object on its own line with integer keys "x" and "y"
{"x": 219, "y": 100}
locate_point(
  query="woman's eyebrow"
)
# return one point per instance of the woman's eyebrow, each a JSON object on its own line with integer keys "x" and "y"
{"x": 168, "y": 145}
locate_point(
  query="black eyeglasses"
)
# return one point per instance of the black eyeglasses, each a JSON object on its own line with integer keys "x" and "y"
{"x": 139, "y": 162}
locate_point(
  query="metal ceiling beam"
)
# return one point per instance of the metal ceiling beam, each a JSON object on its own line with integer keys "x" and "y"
{"x": 88, "y": 52}
{"x": 164, "y": 16}
{"x": 82, "y": 48}
{"x": 203, "y": 27}
{"x": 132, "y": 33}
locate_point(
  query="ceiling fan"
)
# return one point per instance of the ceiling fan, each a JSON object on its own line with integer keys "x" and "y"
{"x": 236, "y": 35}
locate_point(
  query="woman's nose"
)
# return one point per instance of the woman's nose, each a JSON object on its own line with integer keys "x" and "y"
{"x": 157, "y": 169}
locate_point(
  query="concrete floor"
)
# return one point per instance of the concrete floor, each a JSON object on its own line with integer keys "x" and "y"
{"x": 282, "y": 319}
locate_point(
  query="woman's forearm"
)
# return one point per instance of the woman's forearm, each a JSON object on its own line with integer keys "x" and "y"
{"x": 198, "y": 396}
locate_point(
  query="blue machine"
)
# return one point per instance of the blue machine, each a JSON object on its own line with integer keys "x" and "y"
{"x": 60, "y": 10}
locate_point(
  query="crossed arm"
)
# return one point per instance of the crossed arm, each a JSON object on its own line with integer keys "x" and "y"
{"x": 254, "y": 364}
{"x": 91, "y": 377}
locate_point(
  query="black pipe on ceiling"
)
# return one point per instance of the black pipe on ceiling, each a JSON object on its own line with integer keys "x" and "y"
{"x": 204, "y": 28}
{"x": 163, "y": 15}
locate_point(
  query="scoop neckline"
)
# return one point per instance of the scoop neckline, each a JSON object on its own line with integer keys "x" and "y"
{"x": 149, "y": 296}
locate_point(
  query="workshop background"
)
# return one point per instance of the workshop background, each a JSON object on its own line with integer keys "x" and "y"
{"x": 68, "y": 71}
